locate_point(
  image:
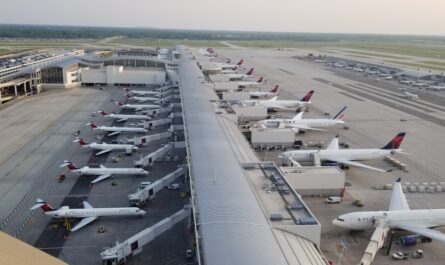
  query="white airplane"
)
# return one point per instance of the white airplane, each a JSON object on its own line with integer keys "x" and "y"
{"x": 346, "y": 156}
{"x": 410, "y": 95}
{"x": 124, "y": 117}
{"x": 116, "y": 130}
{"x": 357, "y": 69}
{"x": 138, "y": 107}
{"x": 225, "y": 66}
{"x": 102, "y": 171}
{"x": 245, "y": 84}
{"x": 437, "y": 88}
{"x": 154, "y": 100}
{"x": 142, "y": 92}
{"x": 233, "y": 77}
{"x": 274, "y": 103}
{"x": 398, "y": 216}
{"x": 304, "y": 124}
{"x": 264, "y": 94}
{"x": 88, "y": 213}
{"x": 105, "y": 147}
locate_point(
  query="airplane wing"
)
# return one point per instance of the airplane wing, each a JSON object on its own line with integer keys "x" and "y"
{"x": 433, "y": 234}
{"x": 83, "y": 223}
{"x": 355, "y": 164}
{"x": 121, "y": 120}
{"x": 304, "y": 127}
{"x": 113, "y": 133}
{"x": 101, "y": 177}
{"x": 398, "y": 199}
{"x": 103, "y": 152}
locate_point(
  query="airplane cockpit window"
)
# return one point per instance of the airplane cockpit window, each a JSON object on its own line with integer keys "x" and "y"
{"x": 340, "y": 219}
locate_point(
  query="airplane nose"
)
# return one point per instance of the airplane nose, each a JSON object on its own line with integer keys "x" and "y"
{"x": 335, "y": 222}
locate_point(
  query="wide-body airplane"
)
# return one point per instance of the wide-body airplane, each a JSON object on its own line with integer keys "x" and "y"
{"x": 102, "y": 171}
{"x": 304, "y": 124}
{"x": 274, "y": 103}
{"x": 346, "y": 156}
{"x": 125, "y": 117}
{"x": 116, "y": 130}
{"x": 138, "y": 107}
{"x": 398, "y": 216}
{"x": 88, "y": 213}
{"x": 106, "y": 147}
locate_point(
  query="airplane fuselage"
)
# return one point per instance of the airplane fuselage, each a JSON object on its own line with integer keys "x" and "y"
{"x": 315, "y": 123}
{"x": 95, "y": 212}
{"x": 121, "y": 129}
{"x": 364, "y": 220}
{"x": 346, "y": 154}
{"x": 138, "y": 106}
{"x": 112, "y": 171}
{"x": 128, "y": 116}
{"x": 111, "y": 146}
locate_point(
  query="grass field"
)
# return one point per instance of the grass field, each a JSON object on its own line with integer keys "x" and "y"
{"x": 418, "y": 65}
{"x": 166, "y": 43}
{"x": 370, "y": 54}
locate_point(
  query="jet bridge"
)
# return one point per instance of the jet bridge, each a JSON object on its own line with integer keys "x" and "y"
{"x": 148, "y": 192}
{"x": 155, "y": 123}
{"x": 145, "y": 140}
{"x": 155, "y": 112}
{"x": 149, "y": 159}
{"x": 376, "y": 242}
{"x": 133, "y": 245}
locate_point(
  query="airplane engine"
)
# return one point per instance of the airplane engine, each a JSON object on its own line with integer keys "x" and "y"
{"x": 412, "y": 240}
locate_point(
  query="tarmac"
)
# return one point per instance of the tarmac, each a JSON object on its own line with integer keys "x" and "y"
{"x": 376, "y": 112}
{"x": 42, "y": 129}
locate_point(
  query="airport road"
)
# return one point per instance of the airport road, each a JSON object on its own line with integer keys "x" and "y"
{"x": 374, "y": 113}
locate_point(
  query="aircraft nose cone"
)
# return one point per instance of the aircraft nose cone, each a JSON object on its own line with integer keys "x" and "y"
{"x": 335, "y": 222}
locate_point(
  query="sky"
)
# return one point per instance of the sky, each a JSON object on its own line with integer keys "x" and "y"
{"x": 423, "y": 17}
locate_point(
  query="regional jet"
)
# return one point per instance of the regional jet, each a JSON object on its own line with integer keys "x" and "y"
{"x": 124, "y": 117}
{"x": 116, "y": 130}
{"x": 102, "y": 172}
{"x": 88, "y": 214}
{"x": 233, "y": 77}
{"x": 264, "y": 94}
{"x": 274, "y": 103}
{"x": 245, "y": 84}
{"x": 138, "y": 107}
{"x": 106, "y": 147}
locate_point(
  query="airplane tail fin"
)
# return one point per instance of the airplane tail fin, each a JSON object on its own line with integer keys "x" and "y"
{"x": 260, "y": 80}
{"x": 275, "y": 89}
{"x": 69, "y": 164}
{"x": 340, "y": 114}
{"x": 395, "y": 142}
{"x": 80, "y": 141}
{"x": 308, "y": 96}
{"x": 92, "y": 125}
{"x": 240, "y": 62}
{"x": 43, "y": 205}
{"x": 250, "y": 72}
{"x": 102, "y": 112}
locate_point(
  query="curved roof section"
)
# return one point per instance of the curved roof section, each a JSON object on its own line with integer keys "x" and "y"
{"x": 233, "y": 227}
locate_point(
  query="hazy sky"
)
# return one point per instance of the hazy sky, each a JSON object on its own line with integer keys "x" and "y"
{"x": 349, "y": 16}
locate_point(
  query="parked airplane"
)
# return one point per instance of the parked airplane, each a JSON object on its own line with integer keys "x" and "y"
{"x": 116, "y": 130}
{"x": 154, "y": 100}
{"x": 154, "y": 92}
{"x": 398, "y": 216}
{"x": 245, "y": 84}
{"x": 357, "y": 69}
{"x": 103, "y": 172}
{"x": 346, "y": 156}
{"x": 106, "y": 147}
{"x": 264, "y": 94}
{"x": 304, "y": 124}
{"x": 233, "y": 77}
{"x": 436, "y": 88}
{"x": 124, "y": 117}
{"x": 88, "y": 213}
{"x": 274, "y": 103}
{"x": 225, "y": 66}
{"x": 138, "y": 107}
